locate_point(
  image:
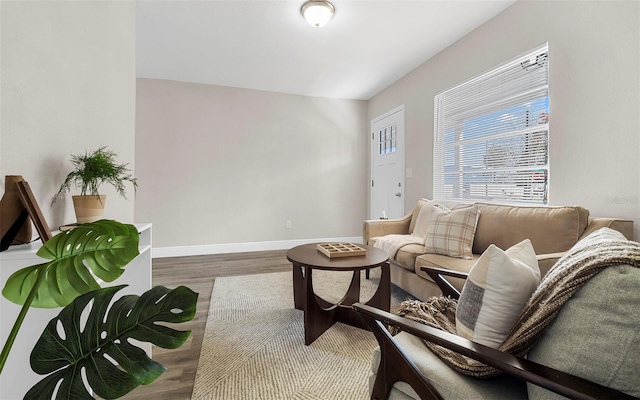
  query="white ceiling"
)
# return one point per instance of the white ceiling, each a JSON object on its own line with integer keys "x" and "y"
{"x": 267, "y": 45}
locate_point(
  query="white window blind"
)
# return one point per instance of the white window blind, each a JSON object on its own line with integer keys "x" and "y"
{"x": 491, "y": 134}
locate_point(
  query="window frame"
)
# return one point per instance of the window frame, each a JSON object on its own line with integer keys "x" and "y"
{"x": 473, "y": 113}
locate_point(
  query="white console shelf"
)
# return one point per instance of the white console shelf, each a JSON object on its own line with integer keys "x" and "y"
{"x": 17, "y": 377}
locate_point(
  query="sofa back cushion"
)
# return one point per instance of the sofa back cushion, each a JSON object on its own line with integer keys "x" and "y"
{"x": 550, "y": 229}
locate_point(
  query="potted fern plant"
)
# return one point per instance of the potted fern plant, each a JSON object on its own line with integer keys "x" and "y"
{"x": 92, "y": 169}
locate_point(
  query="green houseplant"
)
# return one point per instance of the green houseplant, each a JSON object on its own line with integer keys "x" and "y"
{"x": 100, "y": 249}
{"x": 91, "y": 170}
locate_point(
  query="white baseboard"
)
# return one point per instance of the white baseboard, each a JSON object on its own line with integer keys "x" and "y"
{"x": 224, "y": 248}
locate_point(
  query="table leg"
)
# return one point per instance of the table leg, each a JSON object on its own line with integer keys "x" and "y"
{"x": 298, "y": 287}
{"x": 382, "y": 297}
{"x": 320, "y": 315}
{"x": 353, "y": 293}
{"x": 381, "y": 300}
{"x": 316, "y": 319}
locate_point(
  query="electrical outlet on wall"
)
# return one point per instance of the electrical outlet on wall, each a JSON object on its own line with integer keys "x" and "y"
{"x": 288, "y": 224}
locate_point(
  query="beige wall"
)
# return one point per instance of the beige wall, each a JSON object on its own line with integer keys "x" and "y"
{"x": 226, "y": 165}
{"x": 594, "y": 50}
{"x": 67, "y": 85}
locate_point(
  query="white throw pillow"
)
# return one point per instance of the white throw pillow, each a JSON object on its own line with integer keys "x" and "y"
{"x": 424, "y": 218}
{"x": 495, "y": 293}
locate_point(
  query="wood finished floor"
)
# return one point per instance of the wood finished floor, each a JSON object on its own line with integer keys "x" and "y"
{"x": 197, "y": 273}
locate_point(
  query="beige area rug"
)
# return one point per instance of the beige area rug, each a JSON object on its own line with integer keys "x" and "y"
{"x": 253, "y": 345}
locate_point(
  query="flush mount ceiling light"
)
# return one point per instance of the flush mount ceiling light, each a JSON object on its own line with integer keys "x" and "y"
{"x": 317, "y": 12}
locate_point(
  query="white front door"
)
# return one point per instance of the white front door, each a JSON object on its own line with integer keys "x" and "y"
{"x": 387, "y": 165}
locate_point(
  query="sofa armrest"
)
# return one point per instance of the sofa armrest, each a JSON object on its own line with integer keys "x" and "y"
{"x": 436, "y": 274}
{"x": 549, "y": 378}
{"x": 623, "y": 226}
{"x": 383, "y": 227}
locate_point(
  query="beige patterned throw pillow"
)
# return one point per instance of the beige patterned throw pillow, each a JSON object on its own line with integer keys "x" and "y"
{"x": 451, "y": 232}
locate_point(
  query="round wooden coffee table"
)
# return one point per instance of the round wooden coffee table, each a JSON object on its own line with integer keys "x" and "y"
{"x": 319, "y": 314}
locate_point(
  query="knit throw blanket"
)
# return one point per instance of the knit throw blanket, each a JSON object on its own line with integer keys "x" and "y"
{"x": 392, "y": 243}
{"x": 566, "y": 277}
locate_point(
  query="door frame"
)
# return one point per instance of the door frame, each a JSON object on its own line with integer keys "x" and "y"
{"x": 373, "y": 149}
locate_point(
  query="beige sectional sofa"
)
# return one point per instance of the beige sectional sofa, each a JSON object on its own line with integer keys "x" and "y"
{"x": 551, "y": 230}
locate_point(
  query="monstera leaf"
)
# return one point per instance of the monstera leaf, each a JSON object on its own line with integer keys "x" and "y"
{"x": 102, "y": 350}
{"x": 102, "y": 248}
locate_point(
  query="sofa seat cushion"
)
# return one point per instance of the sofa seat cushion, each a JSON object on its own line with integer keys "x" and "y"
{"x": 406, "y": 255}
{"x": 440, "y": 261}
{"x": 550, "y": 229}
{"x": 547, "y": 261}
{"x": 446, "y": 381}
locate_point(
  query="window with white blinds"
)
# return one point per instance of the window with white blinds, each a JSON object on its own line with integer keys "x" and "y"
{"x": 491, "y": 134}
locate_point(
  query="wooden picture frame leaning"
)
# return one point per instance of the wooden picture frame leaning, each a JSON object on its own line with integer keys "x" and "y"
{"x": 30, "y": 203}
